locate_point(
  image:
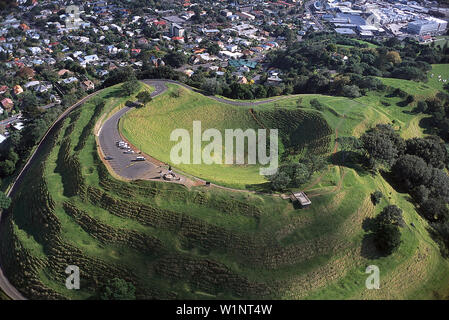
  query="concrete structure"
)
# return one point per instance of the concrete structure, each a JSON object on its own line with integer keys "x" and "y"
{"x": 421, "y": 27}
{"x": 176, "y": 30}
{"x": 301, "y": 198}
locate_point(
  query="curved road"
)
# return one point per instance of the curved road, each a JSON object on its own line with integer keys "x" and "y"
{"x": 108, "y": 136}
{"x": 5, "y": 285}
{"x": 121, "y": 163}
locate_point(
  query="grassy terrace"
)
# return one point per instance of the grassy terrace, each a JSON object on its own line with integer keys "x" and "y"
{"x": 172, "y": 242}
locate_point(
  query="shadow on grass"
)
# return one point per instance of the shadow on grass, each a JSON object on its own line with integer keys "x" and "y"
{"x": 260, "y": 187}
{"x": 436, "y": 236}
{"x": 116, "y": 93}
{"x": 428, "y": 126}
{"x": 392, "y": 181}
{"x": 368, "y": 224}
{"x": 349, "y": 159}
{"x": 368, "y": 249}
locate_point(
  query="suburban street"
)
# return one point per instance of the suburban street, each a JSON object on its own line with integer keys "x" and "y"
{"x": 307, "y": 5}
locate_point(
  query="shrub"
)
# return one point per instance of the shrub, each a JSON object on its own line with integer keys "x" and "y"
{"x": 376, "y": 197}
{"x": 279, "y": 181}
{"x": 118, "y": 289}
{"x": 435, "y": 210}
{"x": 317, "y": 105}
{"x": 4, "y": 201}
{"x": 351, "y": 91}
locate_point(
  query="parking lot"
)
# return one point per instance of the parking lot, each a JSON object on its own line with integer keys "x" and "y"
{"x": 122, "y": 161}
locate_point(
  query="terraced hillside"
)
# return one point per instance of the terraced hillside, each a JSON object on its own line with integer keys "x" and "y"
{"x": 208, "y": 243}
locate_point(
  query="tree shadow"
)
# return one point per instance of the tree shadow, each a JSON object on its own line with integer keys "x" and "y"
{"x": 259, "y": 187}
{"x": 428, "y": 125}
{"x": 392, "y": 181}
{"x": 368, "y": 224}
{"x": 368, "y": 249}
{"x": 116, "y": 93}
{"x": 402, "y": 104}
{"x": 444, "y": 250}
{"x": 349, "y": 159}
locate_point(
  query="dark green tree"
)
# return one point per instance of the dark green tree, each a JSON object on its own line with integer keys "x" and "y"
{"x": 117, "y": 289}
{"x": 387, "y": 238}
{"x": 175, "y": 59}
{"x": 129, "y": 87}
{"x": 279, "y": 181}
{"x": 144, "y": 97}
{"x": 5, "y": 202}
{"x": 434, "y": 210}
{"x": 376, "y": 196}
{"x": 391, "y": 215}
{"x": 6, "y": 168}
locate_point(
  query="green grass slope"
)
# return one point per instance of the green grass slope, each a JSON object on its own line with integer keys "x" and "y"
{"x": 149, "y": 129}
{"x": 208, "y": 243}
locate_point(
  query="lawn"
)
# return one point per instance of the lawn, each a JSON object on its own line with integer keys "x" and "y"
{"x": 149, "y": 130}
{"x": 438, "y": 70}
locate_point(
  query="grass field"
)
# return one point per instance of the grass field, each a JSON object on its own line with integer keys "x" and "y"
{"x": 441, "y": 41}
{"x": 438, "y": 70}
{"x": 149, "y": 129}
{"x": 171, "y": 242}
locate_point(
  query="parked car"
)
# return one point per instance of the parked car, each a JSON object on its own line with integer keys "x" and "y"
{"x": 140, "y": 158}
{"x": 108, "y": 158}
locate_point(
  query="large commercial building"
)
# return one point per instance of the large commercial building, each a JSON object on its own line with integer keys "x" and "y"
{"x": 176, "y": 30}
{"x": 431, "y": 26}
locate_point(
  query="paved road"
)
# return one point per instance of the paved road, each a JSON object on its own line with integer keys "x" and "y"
{"x": 125, "y": 165}
{"x": 121, "y": 163}
{"x": 108, "y": 136}
{"x": 307, "y": 6}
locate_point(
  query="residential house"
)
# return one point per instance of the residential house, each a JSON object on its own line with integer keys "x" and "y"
{"x": 3, "y": 89}
{"x": 87, "y": 85}
{"x": 63, "y": 72}
{"x": 242, "y": 80}
{"x": 18, "y": 126}
{"x": 7, "y": 104}
{"x": 31, "y": 84}
{"x": 17, "y": 89}
{"x": 43, "y": 87}
{"x": 26, "y": 73}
